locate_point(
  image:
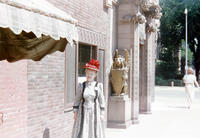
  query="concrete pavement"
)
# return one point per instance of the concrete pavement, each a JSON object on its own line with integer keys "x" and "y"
{"x": 169, "y": 119}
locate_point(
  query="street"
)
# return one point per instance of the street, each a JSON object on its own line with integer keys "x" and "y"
{"x": 169, "y": 119}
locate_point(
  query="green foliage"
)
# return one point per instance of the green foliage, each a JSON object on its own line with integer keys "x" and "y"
{"x": 190, "y": 54}
{"x": 173, "y": 36}
{"x": 163, "y": 82}
{"x": 166, "y": 70}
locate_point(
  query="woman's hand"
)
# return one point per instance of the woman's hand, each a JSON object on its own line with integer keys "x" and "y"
{"x": 102, "y": 117}
{"x": 75, "y": 115}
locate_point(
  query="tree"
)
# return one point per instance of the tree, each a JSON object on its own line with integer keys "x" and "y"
{"x": 173, "y": 29}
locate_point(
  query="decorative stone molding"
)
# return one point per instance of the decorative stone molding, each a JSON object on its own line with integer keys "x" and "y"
{"x": 145, "y": 5}
{"x": 137, "y": 18}
{"x": 142, "y": 34}
{"x": 153, "y": 25}
{"x": 126, "y": 19}
{"x": 157, "y": 16}
{"x": 138, "y": 2}
{"x": 109, "y": 3}
{"x": 151, "y": 9}
{"x": 156, "y": 11}
{"x": 157, "y": 23}
{"x": 142, "y": 42}
{"x": 92, "y": 38}
{"x": 151, "y": 28}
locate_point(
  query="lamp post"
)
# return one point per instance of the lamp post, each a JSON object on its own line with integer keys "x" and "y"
{"x": 186, "y": 45}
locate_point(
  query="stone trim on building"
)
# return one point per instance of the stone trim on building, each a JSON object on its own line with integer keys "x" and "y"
{"x": 109, "y": 3}
{"x": 92, "y": 38}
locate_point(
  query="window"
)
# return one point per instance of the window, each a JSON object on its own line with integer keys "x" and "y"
{"x": 101, "y": 71}
{"x": 70, "y": 75}
{"x": 86, "y": 52}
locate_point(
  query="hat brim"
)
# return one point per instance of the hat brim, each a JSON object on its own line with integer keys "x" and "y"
{"x": 90, "y": 68}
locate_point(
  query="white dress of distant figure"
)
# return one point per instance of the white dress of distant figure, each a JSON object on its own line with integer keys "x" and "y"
{"x": 190, "y": 82}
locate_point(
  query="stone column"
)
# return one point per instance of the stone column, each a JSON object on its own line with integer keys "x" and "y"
{"x": 154, "y": 43}
{"x": 152, "y": 12}
{"x": 146, "y": 71}
{"x": 135, "y": 46}
{"x": 155, "y": 40}
{"x": 128, "y": 37}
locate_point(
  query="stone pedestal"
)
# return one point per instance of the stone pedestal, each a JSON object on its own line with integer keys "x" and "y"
{"x": 119, "y": 113}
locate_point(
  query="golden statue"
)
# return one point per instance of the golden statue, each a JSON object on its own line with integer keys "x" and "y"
{"x": 119, "y": 73}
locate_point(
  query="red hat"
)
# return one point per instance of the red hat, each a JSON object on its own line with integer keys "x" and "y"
{"x": 92, "y": 65}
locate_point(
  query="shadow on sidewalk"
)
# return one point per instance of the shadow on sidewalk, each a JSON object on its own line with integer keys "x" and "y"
{"x": 181, "y": 107}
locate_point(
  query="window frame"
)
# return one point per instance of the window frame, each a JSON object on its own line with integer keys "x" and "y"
{"x": 68, "y": 106}
{"x": 95, "y": 55}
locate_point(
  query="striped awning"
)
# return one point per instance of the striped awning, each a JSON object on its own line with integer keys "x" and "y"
{"x": 30, "y": 29}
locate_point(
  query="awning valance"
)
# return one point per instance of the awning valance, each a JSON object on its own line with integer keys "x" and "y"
{"x": 36, "y": 18}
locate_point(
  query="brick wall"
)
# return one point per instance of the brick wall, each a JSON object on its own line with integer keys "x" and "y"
{"x": 91, "y": 14}
{"x": 46, "y": 116}
{"x": 13, "y": 99}
{"x": 46, "y": 78}
{"x": 46, "y": 95}
{"x": 42, "y": 103}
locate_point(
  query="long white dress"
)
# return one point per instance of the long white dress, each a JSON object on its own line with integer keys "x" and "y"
{"x": 190, "y": 82}
{"x": 88, "y": 123}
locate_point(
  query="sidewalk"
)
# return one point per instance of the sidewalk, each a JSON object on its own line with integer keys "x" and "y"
{"x": 169, "y": 118}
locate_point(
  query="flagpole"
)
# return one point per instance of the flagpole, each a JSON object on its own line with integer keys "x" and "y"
{"x": 186, "y": 37}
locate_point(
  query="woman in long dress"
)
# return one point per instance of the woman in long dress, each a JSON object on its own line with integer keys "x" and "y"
{"x": 89, "y": 105}
{"x": 190, "y": 81}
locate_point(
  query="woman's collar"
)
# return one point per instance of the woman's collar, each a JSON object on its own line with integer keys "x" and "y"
{"x": 90, "y": 82}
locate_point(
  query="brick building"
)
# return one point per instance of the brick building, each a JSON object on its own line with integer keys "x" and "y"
{"x": 36, "y": 96}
